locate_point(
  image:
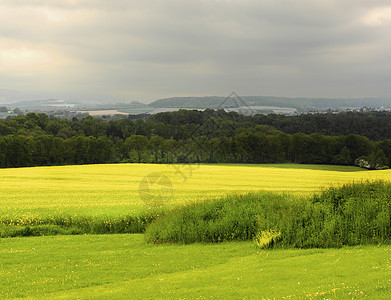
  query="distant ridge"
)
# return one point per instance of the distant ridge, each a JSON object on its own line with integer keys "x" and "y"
{"x": 215, "y": 101}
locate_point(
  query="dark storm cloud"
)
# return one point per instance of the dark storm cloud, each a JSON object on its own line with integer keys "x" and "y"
{"x": 146, "y": 49}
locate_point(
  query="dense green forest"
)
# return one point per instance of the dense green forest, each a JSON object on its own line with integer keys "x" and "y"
{"x": 198, "y": 136}
{"x": 373, "y": 125}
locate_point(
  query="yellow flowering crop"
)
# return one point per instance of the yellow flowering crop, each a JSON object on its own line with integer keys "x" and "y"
{"x": 115, "y": 189}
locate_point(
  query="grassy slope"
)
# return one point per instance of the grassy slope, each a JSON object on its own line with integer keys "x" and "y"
{"x": 123, "y": 266}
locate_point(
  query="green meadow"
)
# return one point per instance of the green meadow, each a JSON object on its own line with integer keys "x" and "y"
{"x": 123, "y": 266}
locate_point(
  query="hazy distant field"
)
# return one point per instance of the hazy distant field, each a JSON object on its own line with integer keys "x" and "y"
{"x": 103, "y": 112}
{"x": 114, "y": 189}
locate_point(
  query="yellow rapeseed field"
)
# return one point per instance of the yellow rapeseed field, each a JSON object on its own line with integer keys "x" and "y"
{"x": 123, "y": 189}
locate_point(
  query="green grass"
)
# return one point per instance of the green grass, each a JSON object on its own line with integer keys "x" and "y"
{"x": 123, "y": 266}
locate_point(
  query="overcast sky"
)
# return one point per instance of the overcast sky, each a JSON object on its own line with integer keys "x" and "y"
{"x": 124, "y": 50}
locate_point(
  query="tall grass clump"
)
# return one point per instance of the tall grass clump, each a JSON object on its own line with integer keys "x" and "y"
{"x": 234, "y": 217}
{"x": 356, "y": 213}
{"x": 350, "y": 215}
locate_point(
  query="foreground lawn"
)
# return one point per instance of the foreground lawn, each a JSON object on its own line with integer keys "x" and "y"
{"x": 123, "y": 266}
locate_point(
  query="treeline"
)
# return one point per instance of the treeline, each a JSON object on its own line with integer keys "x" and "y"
{"x": 373, "y": 125}
{"x": 189, "y": 123}
{"x": 178, "y": 137}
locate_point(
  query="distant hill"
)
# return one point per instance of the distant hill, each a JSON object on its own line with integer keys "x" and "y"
{"x": 215, "y": 102}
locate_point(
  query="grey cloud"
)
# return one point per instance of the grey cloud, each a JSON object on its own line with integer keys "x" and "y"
{"x": 164, "y": 48}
